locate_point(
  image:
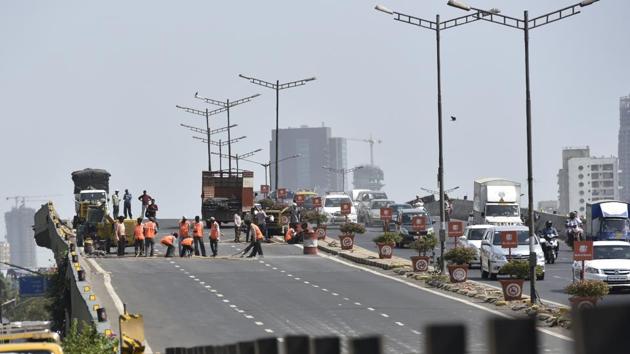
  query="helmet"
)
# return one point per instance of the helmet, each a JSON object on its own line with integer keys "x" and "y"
{"x": 572, "y": 214}
{"x": 548, "y": 223}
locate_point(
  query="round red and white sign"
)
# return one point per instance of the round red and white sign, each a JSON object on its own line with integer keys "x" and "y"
{"x": 347, "y": 242}
{"x": 459, "y": 274}
{"x": 284, "y": 219}
{"x": 386, "y": 250}
{"x": 513, "y": 290}
{"x": 585, "y": 305}
{"x": 422, "y": 265}
{"x": 321, "y": 232}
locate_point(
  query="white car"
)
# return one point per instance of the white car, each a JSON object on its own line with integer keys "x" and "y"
{"x": 611, "y": 264}
{"x": 472, "y": 237}
{"x": 373, "y": 216}
{"x": 331, "y": 203}
{"x": 492, "y": 256}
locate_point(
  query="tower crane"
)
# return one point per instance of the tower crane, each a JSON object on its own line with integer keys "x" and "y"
{"x": 370, "y": 141}
{"x": 30, "y": 198}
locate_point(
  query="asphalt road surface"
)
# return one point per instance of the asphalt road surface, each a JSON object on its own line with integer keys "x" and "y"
{"x": 557, "y": 275}
{"x": 201, "y": 301}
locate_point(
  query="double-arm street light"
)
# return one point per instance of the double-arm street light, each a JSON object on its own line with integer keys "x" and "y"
{"x": 220, "y": 144}
{"x": 227, "y": 105}
{"x": 269, "y": 163}
{"x": 277, "y": 87}
{"x": 342, "y": 172}
{"x": 437, "y": 27}
{"x": 237, "y": 156}
{"x": 207, "y": 131}
{"x": 525, "y": 24}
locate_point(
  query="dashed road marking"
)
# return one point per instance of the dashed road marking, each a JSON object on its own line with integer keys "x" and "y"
{"x": 399, "y": 323}
{"x": 219, "y": 295}
{"x": 370, "y": 309}
{"x": 335, "y": 294}
{"x": 296, "y": 278}
{"x": 249, "y": 316}
{"x": 269, "y": 331}
{"x": 347, "y": 299}
{"x": 226, "y": 300}
{"x": 258, "y": 323}
{"x": 315, "y": 286}
{"x": 385, "y": 315}
{"x": 415, "y": 332}
{"x": 357, "y": 303}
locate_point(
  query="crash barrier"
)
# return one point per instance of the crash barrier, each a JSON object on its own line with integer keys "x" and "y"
{"x": 82, "y": 303}
{"x": 595, "y": 331}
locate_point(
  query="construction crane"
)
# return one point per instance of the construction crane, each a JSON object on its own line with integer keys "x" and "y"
{"x": 370, "y": 141}
{"x": 30, "y": 198}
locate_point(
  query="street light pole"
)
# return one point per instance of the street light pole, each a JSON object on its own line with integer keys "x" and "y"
{"x": 526, "y": 24}
{"x": 277, "y": 87}
{"x": 207, "y": 131}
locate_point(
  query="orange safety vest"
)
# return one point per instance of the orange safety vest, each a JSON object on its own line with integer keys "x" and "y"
{"x": 138, "y": 232}
{"x": 214, "y": 231}
{"x": 289, "y": 235}
{"x": 198, "y": 229}
{"x": 149, "y": 230}
{"x": 259, "y": 234}
{"x": 183, "y": 229}
{"x": 167, "y": 240}
{"x": 188, "y": 241}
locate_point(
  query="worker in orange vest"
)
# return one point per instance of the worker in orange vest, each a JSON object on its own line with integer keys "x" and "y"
{"x": 215, "y": 235}
{"x": 184, "y": 231}
{"x": 138, "y": 237}
{"x": 198, "y": 237}
{"x": 150, "y": 229}
{"x": 169, "y": 242}
{"x": 187, "y": 247}
{"x": 256, "y": 237}
{"x": 290, "y": 235}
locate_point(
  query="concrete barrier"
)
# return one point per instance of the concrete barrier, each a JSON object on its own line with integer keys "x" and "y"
{"x": 83, "y": 304}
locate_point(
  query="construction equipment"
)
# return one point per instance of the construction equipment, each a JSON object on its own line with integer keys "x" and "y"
{"x": 91, "y": 189}
{"x": 370, "y": 141}
{"x": 20, "y": 200}
{"x": 29, "y": 337}
{"x": 131, "y": 333}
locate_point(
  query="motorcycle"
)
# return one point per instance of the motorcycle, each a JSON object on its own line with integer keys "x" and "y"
{"x": 574, "y": 234}
{"x": 551, "y": 247}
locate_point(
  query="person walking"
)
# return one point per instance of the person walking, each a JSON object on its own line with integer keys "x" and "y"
{"x": 152, "y": 209}
{"x": 289, "y": 236}
{"x": 150, "y": 229}
{"x": 215, "y": 236}
{"x": 247, "y": 217}
{"x": 145, "y": 199}
{"x": 257, "y": 237}
{"x": 116, "y": 203}
{"x": 127, "y": 205}
{"x": 237, "y": 228}
{"x": 121, "y": 236}
{"x": 198, "y": 237}
{"x": 138, "y": 236}
{"x": 187, "y": 247}
{"x": 184, "y": 231}
{"x": 169, "y": 242}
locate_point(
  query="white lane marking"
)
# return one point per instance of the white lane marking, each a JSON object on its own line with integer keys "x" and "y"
{"x": 399, "y": 323}
{"x": 182, "y": 269}
{"x": 345, "y": 298}
{"x": 274, "y": 268}
{"x": 315, "y": 286}
{"x": 435, "y": 292}
{"x": 258, "y": 323}
{"x": 267, "y": 265}
{"x": 415, "y": 332}
{"x": 335, "y": 294}
{"x": 289, "y": 275}
{"x": 249, "y": 316}
{"x": 226, "y": 300}
{"x": 357, "y": 303}
{"x": 282, "y": 271}
{"x": 202, "y": 282}
{"x": 385, "y": 315}
{"x": 176, "y": 266}
{"x": 191, "y": 276}
{"x": 306, "y": 282}
{"x": 261, "y": 262}
{"x": 171, "y": 262}
{"x": 207, "y": 286}
{"x": 239, "y": 310}
{"x": 213, "y": 291}
{"x": 233, "y": 306}
{"x": 107, "y": 281}
{"x": 370, "y": 309}
{"x": 271, "y": 331}
{"x": 219, "y": 295}
{"x": 324, "y": 289}
{"x": 296, "y": 278}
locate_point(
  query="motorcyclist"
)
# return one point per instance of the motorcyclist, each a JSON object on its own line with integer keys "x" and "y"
{"x": 574, "y": 227}
{"x": 549, "y": 230}
{"x": 550, "y": 245}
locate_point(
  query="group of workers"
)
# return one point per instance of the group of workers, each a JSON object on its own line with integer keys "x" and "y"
{"x": 149, "y": 206}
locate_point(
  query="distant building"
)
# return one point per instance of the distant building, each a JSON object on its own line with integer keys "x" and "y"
{"x": 5, "y": 255}
{"x": 548, "y": 206}
{"x": 317, "y": 149}
{"x": 624, "y": 146}
{"x": 368, "y": 177}
{"x": 563, "y": 175}
{"x": 19, "y": 222}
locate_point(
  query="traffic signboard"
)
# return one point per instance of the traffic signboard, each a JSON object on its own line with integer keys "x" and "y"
{"x": 582, "y": 250}
{"x": 509, "y": 239}
{"x": 299, "y": 199}
{"x": 33, "y": 285}
{"x": 455, "y": 228}
{"x": 346, "y": 208}
{"x": 282, "y": 193}
{"x": 264, "y": 188}
{"x": 419, "y": 223}
{"x": 317, "y": 202}
{"x": 386, "y": 214}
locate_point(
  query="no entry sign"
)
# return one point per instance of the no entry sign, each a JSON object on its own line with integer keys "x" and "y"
{"x": 299, "y": 199}
{"x": 386, "y": 214}
{"x": 419, "y": 223}
{"x": 509, "y": 239}
{"x": 582, "y": 250}
{"x": 282, "y": 193}
{"x": 346, "y": 208}
{"x": 455, "y": 228}
{"x": 317, "y": 202}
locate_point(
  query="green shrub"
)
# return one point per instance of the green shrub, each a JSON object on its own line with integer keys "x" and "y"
{"x": 314, "y": 217}
{"x": 588, "y": 288}
{"x": 460, "y": 255}
{"x": 352, "y": 228}
{"x": 424, "y": 244}
{"x": 266, "y": 203}
{"x": 516, "y": 269}
{"x": 388, "y": 237}
{"x": 84, "y": 339}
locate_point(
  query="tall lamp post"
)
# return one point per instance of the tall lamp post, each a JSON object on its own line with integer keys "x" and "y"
{"x": 237, "y": 156}
{"x": 266, "y": 165}
{"x": 277, "y": 87}
{"x": 208, "y": 132}
{"x": 437, "y": 27}
{"x": 342, "y": 172}
{"x": 227, "y": 105}
{"x": 525, "y": 24}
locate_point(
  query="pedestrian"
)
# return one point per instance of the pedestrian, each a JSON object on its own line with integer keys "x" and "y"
{"x": 289, "y": 237}
{"x": 150, "y": 229}
{"x": 127, "y": 205}
{"x": 247, "y": 217}
{"x": 198, "y": 237}
{"x": 144, "y": 198}
{"x": 471, "y": 219}
{"x": 138, "y": 236}
{"x": 169, "y": 242}
{"x": 257, "y": 237}
{"x": 184, "y": 229}
{"x": 215, "y": 236}
{"x": 152, "y": 209}
{"x": 187, "y": 247}
{"x": 237, "y": 228}
{"x": 121, "y": 236}
{"x": 261, "y": 222}
{"x": 116, "y": 203}
{"x": 293, "y": 214}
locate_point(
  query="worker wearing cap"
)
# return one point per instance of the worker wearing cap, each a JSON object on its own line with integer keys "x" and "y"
{"x": 150, "y": 229}
{"x": 198, "y": 237}
{"x": 138, "y": 237}
{"x": 215, "y": 235}
{"x": 169, "y": 242}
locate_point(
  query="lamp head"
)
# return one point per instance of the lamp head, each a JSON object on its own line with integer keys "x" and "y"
{"x": 587, "y": 2}
{"x": 458, "y": 4}
{"x": 382, "y": 8}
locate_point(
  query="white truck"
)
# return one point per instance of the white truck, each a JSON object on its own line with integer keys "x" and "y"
{"x": 497, "y": 202}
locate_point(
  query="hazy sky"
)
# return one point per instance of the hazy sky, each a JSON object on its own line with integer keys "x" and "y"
{"x": 95, "y": 84}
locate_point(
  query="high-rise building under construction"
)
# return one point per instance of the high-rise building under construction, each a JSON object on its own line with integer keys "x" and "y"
{"x": 19, "y": 223}
{"x": 624, "y": 147}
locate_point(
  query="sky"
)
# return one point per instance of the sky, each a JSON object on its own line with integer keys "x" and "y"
{"x": 95, "y": 84}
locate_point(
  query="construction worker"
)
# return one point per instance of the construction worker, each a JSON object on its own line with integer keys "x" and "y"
{"x": 198, "y": 237}
{"x": 145, "y": 199}
{"x": 116, "y": 203}
{"x": 261, "y": 221}
{"x": 150, "y": 229}
{"x": 215, "y": 235}
{"x": 247, "y": 217}
{"x": 187, "y": 247}
{"x": 121, "y": 235}
{"x": 237, "y": 228}
{"x": 127, "y": 204}
{"x": 138, "y": 236}
{"x": 184, "y": 231}
{"x": 289, "y": 236}
{"x": 257, "y": 237}
{"x": 169, "y": 242}
{"x": 152, "y": 209}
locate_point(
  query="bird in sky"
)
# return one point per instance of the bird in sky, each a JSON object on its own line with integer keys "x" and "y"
{"x": 453, "y": 118}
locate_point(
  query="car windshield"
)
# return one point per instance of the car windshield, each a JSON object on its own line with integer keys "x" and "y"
{"x": 92, "y": 196}
{"x": 379, "y": 196}
{"x": 475, "y": 234}
{"x": 615, "y": 225}
{"x": 396, "y": 207}
{"x": 335, "y": 202}
{"x": 501, "y": 210}
{"x": 523, "y": 238}
{"x": 408, "y": 217}
{"x": 611, "y": 252}
{"x": 379, "y": 204}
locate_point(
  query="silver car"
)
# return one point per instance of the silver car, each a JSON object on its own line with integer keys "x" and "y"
{"x": 493, "y": 256}
{"x": 472, "y": 237}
